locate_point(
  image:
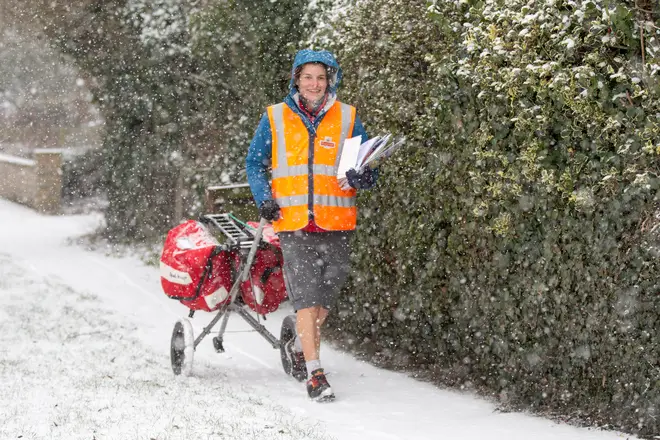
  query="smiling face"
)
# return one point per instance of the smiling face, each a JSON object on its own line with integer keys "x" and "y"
{"x": 312, "y": 82}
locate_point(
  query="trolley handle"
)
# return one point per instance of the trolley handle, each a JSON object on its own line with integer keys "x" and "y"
{"x": 253, "y": 249}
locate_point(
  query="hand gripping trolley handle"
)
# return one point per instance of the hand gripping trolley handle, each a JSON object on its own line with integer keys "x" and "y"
{"x": 183, "y": 343}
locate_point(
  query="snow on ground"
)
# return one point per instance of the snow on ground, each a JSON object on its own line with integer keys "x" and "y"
{"x": 84, "y": 354}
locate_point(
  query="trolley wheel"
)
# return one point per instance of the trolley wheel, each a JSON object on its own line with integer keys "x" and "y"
{"x": 292, "y": 365}
{"x": 182, "y": 347}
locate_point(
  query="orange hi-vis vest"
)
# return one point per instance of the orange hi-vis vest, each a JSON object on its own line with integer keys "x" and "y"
{"x": 300, "y": 187}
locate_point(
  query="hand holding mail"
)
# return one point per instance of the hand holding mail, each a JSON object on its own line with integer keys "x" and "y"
{"x": 360, "y": 179}
{"x": 359, "y": 159}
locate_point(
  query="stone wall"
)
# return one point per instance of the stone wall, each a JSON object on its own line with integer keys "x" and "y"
{"x": 36, "y": 183}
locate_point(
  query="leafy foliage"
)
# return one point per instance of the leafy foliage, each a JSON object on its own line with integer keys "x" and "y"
{"x": 509, "y": 250}
{"x": 513, "y": 248}
{"x": 181, "y": 85}
{"x": 243, "y": 52}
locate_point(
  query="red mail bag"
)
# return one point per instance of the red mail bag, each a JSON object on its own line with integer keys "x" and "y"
{"x": 195, "y": 269}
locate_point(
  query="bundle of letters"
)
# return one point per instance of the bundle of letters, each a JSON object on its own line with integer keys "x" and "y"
{"x": 370, "y": 153}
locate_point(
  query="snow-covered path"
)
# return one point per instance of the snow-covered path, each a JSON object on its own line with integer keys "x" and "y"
{"x": 84, "y": 354}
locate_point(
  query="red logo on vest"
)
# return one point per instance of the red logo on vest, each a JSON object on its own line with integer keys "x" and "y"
{"x": 327, "y": 143}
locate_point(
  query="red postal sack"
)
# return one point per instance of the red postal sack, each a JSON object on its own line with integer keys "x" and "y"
{"x": 265, "y": 290}
{"x": 191, "y": 253}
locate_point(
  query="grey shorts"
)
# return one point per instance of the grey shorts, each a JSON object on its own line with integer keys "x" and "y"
{"x": 316, "y": 265}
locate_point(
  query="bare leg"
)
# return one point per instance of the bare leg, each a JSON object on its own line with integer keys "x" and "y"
{"x": 308, "y": 331}
{"x": 323, "y": 313}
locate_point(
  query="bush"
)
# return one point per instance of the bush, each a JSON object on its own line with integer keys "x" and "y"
{"x": 82, "y": 175}
{"x": 506, "y": 251}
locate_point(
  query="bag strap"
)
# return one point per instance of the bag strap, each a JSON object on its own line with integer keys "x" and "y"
{"x": 208, "y": 269}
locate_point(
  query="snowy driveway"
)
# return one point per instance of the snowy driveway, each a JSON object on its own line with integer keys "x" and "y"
{"x": 84, "y": 354}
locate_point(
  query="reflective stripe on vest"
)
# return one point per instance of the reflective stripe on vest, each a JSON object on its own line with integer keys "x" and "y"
{"x": 341, "y": 202}
{"x": 334, "y": 208}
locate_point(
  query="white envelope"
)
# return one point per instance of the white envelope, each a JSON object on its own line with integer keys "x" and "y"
{"x": 349, "y": 155}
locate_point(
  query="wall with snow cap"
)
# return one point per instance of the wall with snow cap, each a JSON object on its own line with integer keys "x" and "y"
{"x": 33, "y": 182}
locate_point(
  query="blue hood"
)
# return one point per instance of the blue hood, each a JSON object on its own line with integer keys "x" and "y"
{"x": 312, "y": 56}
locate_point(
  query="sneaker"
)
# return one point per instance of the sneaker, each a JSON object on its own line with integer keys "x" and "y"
{"x": 318, "y": 387}
{"x": 299, "y": 367}
{"x": 297, "y": 359}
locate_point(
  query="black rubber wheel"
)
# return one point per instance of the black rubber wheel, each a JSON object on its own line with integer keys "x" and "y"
{"x": 287, "y": 334}
{"x": 182, "y": 347}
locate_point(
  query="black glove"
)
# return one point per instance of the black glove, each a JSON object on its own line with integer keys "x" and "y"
{"x": 269, "y": 210}
{"x": 361, "y": 179}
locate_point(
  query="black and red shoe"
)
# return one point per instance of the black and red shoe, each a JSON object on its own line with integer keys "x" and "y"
{"x": 298, "y": 366}
{"x": 295, "y": 362}
{"x": 318, "y": 387}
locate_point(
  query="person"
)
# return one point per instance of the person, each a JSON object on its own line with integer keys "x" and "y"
{"x": 301, "y": 140}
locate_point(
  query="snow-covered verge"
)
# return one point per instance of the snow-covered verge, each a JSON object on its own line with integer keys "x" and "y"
{"x": 72, "y": 369}
{"x": 84, "y": 354}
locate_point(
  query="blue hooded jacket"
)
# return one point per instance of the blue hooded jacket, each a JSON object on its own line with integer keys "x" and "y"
{"x": 259, "y": 155}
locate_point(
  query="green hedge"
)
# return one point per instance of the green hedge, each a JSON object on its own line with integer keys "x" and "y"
{"x": 181, "y": 91}
{"x": 511, "y": 247}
